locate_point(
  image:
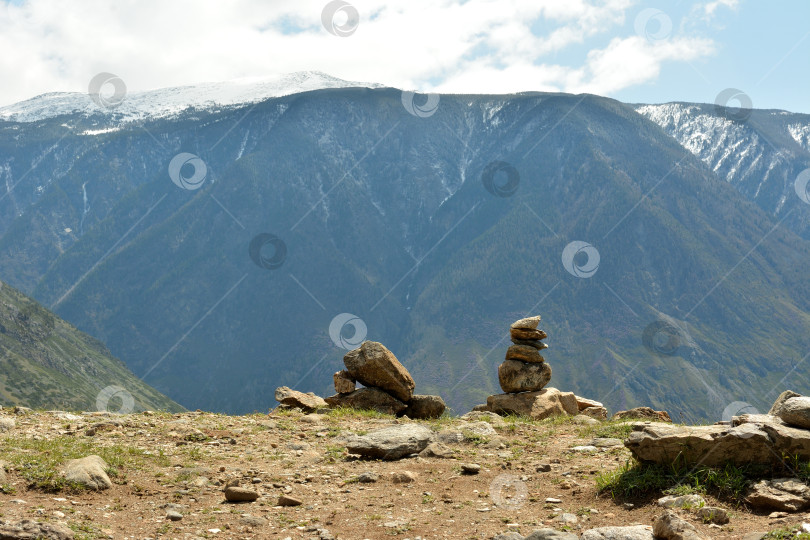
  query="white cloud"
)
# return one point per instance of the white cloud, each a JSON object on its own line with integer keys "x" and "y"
{"x": 474, "y": 46}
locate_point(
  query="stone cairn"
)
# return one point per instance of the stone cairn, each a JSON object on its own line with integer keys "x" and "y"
{"x": 388, "y": 387}
{"x": 523, "y": 377}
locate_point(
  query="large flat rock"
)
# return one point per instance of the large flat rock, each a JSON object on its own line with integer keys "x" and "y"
{"x": 539, "y": 405}
{"x": 391, "y": 443}
{"x": 715, "y": 445}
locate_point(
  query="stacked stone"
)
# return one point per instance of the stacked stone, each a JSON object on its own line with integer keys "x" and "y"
{"x": 525, "y": 369}
{"x": 388, "y": 385}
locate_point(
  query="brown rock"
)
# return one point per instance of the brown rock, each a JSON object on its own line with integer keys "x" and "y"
{"x": 293, "y": 398}
{"x": 344, "y": 384}
{"x": 403, "y": 477}
{"x": 643, "y": 412}
{"x": 599, "y": 413}
{"x": 541, "y": 404}
{"x": 286, "y": 500}
{"x": 372, "y": 399}
{"x": 524, "y": 353}
{"x": 517, "y": 376}
{"x": 31, "y": 530}
{"x": 424, "y": 407}
{"x": 374, "y": 365}
{"x": 527, "y": 334}
{"x": 436, "y": 450}
{"x": 795, "y": 411}
{"x": 240, "y": 494}
{"x": 535, "y": 343}
{"x": 584, "y": 403}
{"x": 529, "y": 323}
{"x": 670, "y": 527}
{"x": 88, "y": 471}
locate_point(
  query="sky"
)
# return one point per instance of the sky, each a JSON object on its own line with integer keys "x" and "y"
{"x": 636, "y": 52}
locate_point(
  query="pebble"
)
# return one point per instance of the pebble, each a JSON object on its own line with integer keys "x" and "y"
{"x": 552, "y": 500}
{"x": 286, "y": 500}
{"x": 470, "y": 468}
{"x": 174, "y": 516}
{"x": 367, "y": 478}
{"x": 403, "y": 477}
{"x": 240, "y": 494}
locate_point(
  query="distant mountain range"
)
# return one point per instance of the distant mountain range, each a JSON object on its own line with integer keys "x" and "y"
{"x": 48, "y": 364}
{"x": 227, "y": 248}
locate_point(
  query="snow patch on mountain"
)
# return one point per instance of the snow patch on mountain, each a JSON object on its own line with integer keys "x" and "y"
{"x": 168, "y": 102}
{"x": 801, "y": 134}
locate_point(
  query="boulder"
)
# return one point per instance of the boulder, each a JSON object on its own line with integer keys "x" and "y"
{"x": 374, "y": 365}
{"x": 715, "y": 445}
{"x": 526, "y": 334}
{"x": 524, "y": 353}
{"x": 344, "y": 384}
{"x": 599, "y": 413}
{"x": 89, "y": 472}
{"x": 782, "y": 494}
{"x": 293, "y": 398}
{"x": 635, "y": 532}
{"x": 795, "y": 411}
{"x": 517, "y": 376}
{"x": 670, "y": 527}
{"x": 584, "y": 403}
{"x": 424, "y": 407}
{"x": 31, "y": 530}
{"x": 529, "y": 323}
{"x": 784, "y": 396}
{"x": 372, "y": 399}
{"x": 392, "y": 442}
{"x": 538, "y": 405}
{"x": 643, "y": 412}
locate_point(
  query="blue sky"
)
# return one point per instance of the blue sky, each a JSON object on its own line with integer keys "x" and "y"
{"x": 646, "y": 52}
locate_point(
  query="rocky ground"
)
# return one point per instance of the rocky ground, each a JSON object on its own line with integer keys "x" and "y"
{"x": 479, "y": 477}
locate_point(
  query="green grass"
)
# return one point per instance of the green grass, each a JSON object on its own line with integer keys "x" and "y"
{"x": 347, "y": 412}
{"x": 38, "y": 461}
{"x": 636, "y": 480}
{"x": 792, "y": 533}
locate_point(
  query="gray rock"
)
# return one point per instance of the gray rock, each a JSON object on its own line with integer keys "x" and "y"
{"x": 391, "y": 443}
{"x": 424, "y": 407}
{"x": 684, "y": 501}
{"x": 538, "y": 405}
{"x": 755, "y": 419}
{"x": 484, "y": 416}
{"x": 308, "y": 402}
{"x": 472, "y": 430}
{"x": 367, "y": 478}
{"x": 635, "y": 532}
{"x": 372, "y": 364}
{"x": 713, "y": 514}
{"x": 344, "y": 384}
{"x": 89, "y": 472}
{"x": 584, "y": 403}
{"x": 567, "y": 518}
{"x": 372, "y": 399}
{"x": 450, "y": 436}
{"x": 795, "y": 411}
{"x": 470, "y": 468}
{"x": 172, "y": 515}
{"x": 240, "y": 494}
{"x": 31, "y": 530}
{"x": 585, "y": 420}
{"x": 606, "y": 442}
{"x": 528, "y": 323}
{"x": 536, "y": 343}
{"x": 518, "y": 376}
{"x": 436, "y": 450}
{"x": 551, "y": 534}
{"x": 511, "y": 535}
{"x": 252, "y": 521}
{"x": 480, "y": 408}
{"x": 670, "y": 527}
{"x": 6, "y": 424}
{"x": 783, "y": 494}
{"x": 784, "y": 396}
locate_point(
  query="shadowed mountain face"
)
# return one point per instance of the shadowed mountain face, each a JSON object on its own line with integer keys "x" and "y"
{"x": 217, "y": 279}
{"x": 48, "y": 364}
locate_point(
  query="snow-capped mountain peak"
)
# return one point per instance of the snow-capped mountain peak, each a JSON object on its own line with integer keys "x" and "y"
{"x": 166, "y": 102}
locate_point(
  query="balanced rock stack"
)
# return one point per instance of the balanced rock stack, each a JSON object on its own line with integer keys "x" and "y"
{"x": 388, "y": 385}
{"x": 523, "y": 377}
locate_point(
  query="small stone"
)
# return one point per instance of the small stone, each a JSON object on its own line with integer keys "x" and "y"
{"x": 713, "y": 514}
{"x": 308, "y": 402}
{"x": 527, "y": 323}
{"x": 240, "y": 494}
{"x": 286, "y": 500}
{"x": 171, "y": 515}
{"x": 344, "y": 384}
{"x": 567, "y": 519}
{"x": 403, "y": 477}
{"x": 552, "y": 500}
{"x": 367, "y": 478}
{"x": 470, "y": 468}
{"x": 526, "y": 334}
{"x": 89, "y": 472}
{"x": 436, "y": 450}
{"x": 684, "y": 501}
{"x": 670, "y": 527}
{"x": 543, "y": 467}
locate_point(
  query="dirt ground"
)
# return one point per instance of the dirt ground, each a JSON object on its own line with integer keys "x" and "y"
{"x": 182, "y": 463}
